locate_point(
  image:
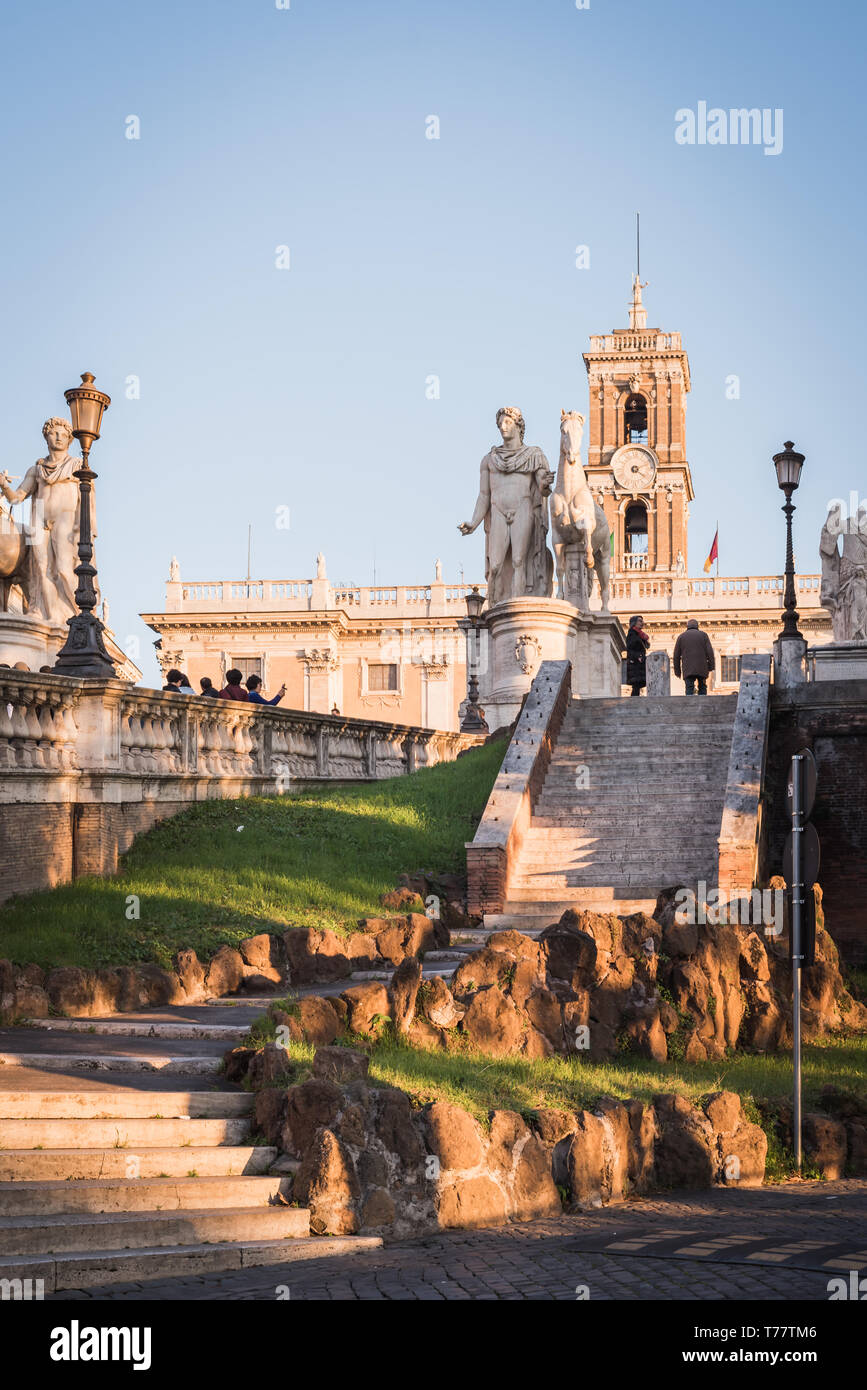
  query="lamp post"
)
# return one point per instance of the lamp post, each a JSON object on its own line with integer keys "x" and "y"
{"x": 83, "y": 653}
{"x": 788, "y": 465}
{"x": 473, "y": 721}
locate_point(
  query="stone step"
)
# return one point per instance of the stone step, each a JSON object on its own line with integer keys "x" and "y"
{"x": 666, "y": 783}
{"x": 102, "y": 1268}
{"x": 104, "y": 1104}
{"x": 166, "y": 1065}
{"x": 646, "y": 706}
{"x": 103, "y": 1195}
{"x": 82, "y": 1164}
{"x": 608, "y": 861}
{"x": 607, "y": 778}
{"x": 592, "y": 899}
{"x": 560, "y": 888}
{"x": 580, "y": 843}
{"x": 80, "y": 1232}
{"x": 532, "y": 918}
{"x": 707, "y": 740}
{"x": 385, "y": 976}
{"x": 629, "y": 827}
{"x": 126, "y": 1028}
{"x": 552, "y": 816}
{"x": 120, "y": 1133}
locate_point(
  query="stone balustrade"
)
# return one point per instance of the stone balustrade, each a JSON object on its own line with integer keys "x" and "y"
{"x": 87, "y": 765}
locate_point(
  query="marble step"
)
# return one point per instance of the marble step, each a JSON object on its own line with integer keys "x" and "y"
{"x": 130, "y": 1104}
{"x": 82, "y": 1164}
{"x": 79, "y": 1232}
{"x": 121, "y": 1133}
{"x": 126, "y": 1028}
{"x": 164, "y": 1065}
{"x": 54, "y": 1197}
{"x": 102, "y": 1268}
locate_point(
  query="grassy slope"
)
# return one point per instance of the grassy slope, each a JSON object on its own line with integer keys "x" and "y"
{"x": 319, "y": 859}
{"x": 481, "y": 1083}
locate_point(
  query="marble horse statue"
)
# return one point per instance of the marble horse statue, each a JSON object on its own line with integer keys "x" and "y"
{"x": 580, "y": 532}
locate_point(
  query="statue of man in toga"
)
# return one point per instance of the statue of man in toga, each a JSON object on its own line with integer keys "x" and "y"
{"x": 514, "y": 484}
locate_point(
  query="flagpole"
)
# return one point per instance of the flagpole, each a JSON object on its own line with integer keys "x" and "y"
{"x": 717, "y": 550}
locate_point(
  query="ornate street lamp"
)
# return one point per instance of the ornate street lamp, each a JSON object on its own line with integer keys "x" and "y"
{"x": 475, "y": 603}
{"x": 473, "y": 721}
{"x": 788, "y": 465}
{"x": 83, "y": 653}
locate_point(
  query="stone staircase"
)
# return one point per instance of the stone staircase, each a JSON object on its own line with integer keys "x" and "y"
{"x": 631, "y": 803}
{"x": 125, "y": 1157}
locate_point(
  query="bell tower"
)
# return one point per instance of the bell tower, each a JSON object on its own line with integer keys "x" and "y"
{"x": 637, "y": 465}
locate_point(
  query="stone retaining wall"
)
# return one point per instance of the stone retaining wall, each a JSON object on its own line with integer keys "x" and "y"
{"x": 85, "y": 766}
{"x": 364, "y": 1159}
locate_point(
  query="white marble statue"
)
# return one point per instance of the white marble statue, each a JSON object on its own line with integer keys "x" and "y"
{"x": 514, "y": 484}
{"x": 580, "y": 531}
{"x": 438, "y": 571}
{"x": 844, "y": 575}
{"x": 52, "y": 552}
{"x": 320, "y": 566}
{"x": 680, "y": 565}
{"x": 174, "y": 570}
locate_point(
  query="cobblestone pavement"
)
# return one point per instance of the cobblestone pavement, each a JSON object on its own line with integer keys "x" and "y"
{"x": 773, "y": 1243}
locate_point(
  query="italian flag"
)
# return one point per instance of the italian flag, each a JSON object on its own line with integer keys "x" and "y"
{"x": 714, "y": 552}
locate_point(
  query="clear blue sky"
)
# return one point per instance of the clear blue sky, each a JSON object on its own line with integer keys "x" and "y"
{"x": 305, "y": 387}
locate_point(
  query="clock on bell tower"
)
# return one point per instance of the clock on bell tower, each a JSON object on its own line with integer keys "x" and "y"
{"x": 637, "y": 465}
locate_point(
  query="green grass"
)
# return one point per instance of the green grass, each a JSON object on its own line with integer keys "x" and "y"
{"x": 322, "y": 858}
{"x": 480, "y": 1083}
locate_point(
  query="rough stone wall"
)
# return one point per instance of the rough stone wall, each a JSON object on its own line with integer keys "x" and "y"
{"x": 830, "y": 718}
{"x": 364, "y": 1159}
{"x": 260, "y": 964}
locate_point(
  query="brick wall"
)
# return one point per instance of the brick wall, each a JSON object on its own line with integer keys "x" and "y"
{"x": 830, "y": 718}
{"x": 35, "y": 847}
{"x": 43, "y": 845}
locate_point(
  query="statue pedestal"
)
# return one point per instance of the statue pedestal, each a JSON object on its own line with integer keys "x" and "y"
{"x": 790, "y": 662}
{"x": 28, "y": 640}
{"x": 521, "y": 633}
{"x": 840, "y": 661}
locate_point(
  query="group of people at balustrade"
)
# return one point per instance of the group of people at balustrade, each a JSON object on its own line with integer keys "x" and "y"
{"x": 236, "y": 688}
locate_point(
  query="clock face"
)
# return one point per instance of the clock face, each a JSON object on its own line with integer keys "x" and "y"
{"x": 634, "y": 466}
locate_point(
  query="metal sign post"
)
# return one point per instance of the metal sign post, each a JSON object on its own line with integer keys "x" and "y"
{"x": 801, "y": 858}
{"x": 797, "y": 906}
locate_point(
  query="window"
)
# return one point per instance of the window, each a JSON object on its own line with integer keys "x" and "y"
{"x": 636, "y": 528}
{"x": 249, "y": 665}
{"x": 382, "y": 677}
{"x": 635, "y": 420}
{"x": 730, "y": 669}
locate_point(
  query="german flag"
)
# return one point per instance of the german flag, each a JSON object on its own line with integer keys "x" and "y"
{"x": 714, "y": 553}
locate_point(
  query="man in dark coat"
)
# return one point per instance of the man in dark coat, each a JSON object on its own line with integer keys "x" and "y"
{"x": 637, "y": 643}
{"x": 233, "y": 689}
{"x": 694, "y": 656}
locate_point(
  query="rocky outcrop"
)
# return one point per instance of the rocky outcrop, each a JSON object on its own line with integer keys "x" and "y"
{"x": 260, "y": 964}
{"x": 368, "y": 1160}
{"x": 598, "y": 985}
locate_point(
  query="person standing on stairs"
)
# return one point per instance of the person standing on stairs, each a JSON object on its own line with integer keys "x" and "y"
{"x": 694, "y": 655}
{"x": 637, "y": 643}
